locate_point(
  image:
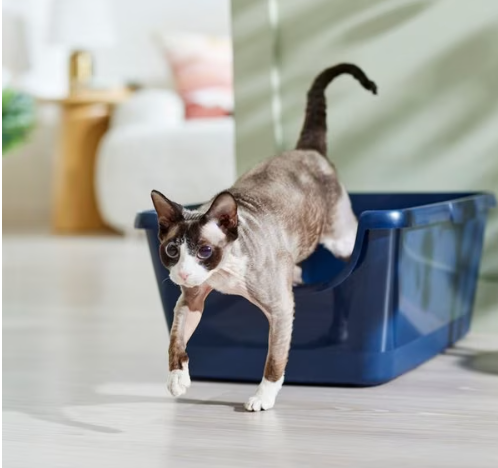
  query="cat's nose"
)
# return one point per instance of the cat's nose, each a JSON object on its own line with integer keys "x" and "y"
{"x": 184, "y": 275}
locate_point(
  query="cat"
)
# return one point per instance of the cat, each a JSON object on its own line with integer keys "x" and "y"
{"x": 250, "y": 238}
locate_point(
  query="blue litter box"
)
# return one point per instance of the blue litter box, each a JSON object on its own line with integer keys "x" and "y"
{"x": 406, "y": 294}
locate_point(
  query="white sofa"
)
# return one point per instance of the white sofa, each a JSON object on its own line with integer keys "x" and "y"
{"x": 150, "y": 145}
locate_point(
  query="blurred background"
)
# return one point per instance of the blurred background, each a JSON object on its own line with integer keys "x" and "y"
{"x": 150, "y": 74}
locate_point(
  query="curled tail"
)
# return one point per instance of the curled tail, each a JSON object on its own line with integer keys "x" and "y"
{"x": 314, "y": 132}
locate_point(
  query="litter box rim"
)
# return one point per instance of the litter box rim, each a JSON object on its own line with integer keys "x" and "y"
{"x": 458, "y": 208}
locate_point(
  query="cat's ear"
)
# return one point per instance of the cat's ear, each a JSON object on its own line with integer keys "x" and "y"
{"x": 224, "y": 211}
{"x": 168, "y": 212}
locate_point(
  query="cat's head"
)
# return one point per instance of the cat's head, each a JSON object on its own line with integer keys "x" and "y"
{"x": 193, "y": 244}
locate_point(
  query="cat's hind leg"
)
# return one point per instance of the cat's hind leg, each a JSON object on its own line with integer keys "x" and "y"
{"x": 339, "y": 235}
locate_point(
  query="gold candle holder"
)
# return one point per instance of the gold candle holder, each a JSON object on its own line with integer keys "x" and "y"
{"x": 80, "y": 70}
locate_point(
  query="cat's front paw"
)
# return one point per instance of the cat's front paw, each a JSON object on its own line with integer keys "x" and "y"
{"x": 259, "y": 403}
{"x": 178, "y": 381}
{"x": 265, "y": 396}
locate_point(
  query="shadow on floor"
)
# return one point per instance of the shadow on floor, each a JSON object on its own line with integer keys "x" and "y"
{"x": 237, "y": 407}
{"x": 486, "y": 362}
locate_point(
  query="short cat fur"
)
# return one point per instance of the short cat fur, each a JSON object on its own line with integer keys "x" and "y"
{"x": 254, "y": 234}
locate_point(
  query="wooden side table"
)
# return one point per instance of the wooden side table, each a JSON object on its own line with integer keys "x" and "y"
{"x": 85, "y": 119}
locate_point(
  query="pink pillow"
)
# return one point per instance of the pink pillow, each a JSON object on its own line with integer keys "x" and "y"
{"x": 202, "y": 70}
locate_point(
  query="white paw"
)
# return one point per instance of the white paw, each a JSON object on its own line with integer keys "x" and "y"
{"x": 342, "y": 248}
{"x": 297, "y": 277}
{"x": 178, "y": 382}
{"x": 258, "y": 403}
{"x": 265, "y": 396}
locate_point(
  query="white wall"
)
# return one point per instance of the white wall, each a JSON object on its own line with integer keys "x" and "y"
{"x": 136, "y": 55}
{"x": 27, "y": 172}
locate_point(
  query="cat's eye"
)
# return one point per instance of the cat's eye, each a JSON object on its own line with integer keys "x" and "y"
{"x": 172, "y": 250}
{"x": 205, "y": 252}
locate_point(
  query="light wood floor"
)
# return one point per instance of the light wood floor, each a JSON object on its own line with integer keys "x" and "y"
{"x": 85, "y": 365}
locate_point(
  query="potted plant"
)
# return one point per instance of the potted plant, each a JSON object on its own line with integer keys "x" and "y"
{"x": 18, "y": 118}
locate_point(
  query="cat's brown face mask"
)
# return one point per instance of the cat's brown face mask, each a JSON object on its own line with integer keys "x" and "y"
{"x": 193, "y": 243}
